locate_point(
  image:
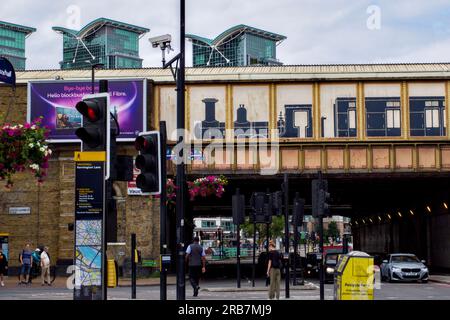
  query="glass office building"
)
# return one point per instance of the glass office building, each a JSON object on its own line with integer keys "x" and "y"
{"x": 240, "y": 45}
{"x": 12, "y": 43}
{"x": 112, "y": 43}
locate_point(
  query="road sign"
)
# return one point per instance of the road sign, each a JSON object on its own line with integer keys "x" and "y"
{"x": 89, "y": 225}
{"x": 89, "y": 190}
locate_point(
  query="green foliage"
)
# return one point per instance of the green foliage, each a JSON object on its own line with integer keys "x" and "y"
{"x": 276, "y": 228}
{"x": 332, "y": 231}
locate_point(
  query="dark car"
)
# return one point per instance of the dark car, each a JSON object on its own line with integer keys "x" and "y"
{"x": 331, "y": 260}
{"x": 312, "y": 264}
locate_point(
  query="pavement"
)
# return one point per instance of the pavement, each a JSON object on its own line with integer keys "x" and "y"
{"x": 438, "y": 288}
{"x": 229, "y": 286}
{"x": 440, "y": 279}
{"x": 61, "y": 282}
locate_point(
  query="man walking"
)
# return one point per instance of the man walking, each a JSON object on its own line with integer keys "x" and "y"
{"x": 273, "y": 271}
{"x": 25, "y": 261}
{"x": 195, "y": 257}
{"x": 45, "y": 267}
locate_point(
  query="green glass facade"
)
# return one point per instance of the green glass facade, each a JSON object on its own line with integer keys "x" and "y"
{"x": 238, "y": 46}
{"x": 114, "y": 44}
{"x": 12, "y": 43}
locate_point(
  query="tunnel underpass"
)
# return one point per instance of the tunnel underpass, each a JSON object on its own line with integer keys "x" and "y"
{"x": 401, "y": 212}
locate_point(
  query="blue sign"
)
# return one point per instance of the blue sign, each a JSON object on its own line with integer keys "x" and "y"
{"x": 7, "y": 73}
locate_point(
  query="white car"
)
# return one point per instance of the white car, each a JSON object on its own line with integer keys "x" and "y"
{"x": 404, "y": 267}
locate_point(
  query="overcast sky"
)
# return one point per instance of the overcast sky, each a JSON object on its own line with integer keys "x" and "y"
{"x": 318, "y": 31}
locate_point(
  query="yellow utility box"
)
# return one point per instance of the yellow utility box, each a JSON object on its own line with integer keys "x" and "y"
{"x": 112, "y": 273}
{"x": 354, "y": 277}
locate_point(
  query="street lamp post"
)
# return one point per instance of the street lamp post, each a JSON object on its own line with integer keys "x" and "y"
{"x": 179, "y": 75}
{"x": 180, "y": 176}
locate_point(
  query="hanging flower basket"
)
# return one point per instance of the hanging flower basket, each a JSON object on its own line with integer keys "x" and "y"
{"x": 171, "y": 194}
{"x": 207, "y": 186}
{"x": 24, "y": 147}
{"x": 201, "y": 187}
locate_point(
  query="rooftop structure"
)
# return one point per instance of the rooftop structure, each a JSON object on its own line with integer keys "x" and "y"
{"x": 112, "y": 43}
{"x": 240, "y": 45}
{"x": 12, "y": 43}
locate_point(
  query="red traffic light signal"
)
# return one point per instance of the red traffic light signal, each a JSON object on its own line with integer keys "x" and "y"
{"x": 95, "y": 132}
{"x": 89, "y": 109}
{"x": 144, "y": 143}
{"x": 149, "y": 162}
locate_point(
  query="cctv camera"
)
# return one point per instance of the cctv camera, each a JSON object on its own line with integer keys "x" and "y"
{"x": 160, "y": 40}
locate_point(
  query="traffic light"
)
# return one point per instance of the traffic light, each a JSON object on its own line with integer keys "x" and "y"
{"x": 320, "y": 198}
{"x": 149, "y": 162}
{"x": 95, "y": 130}
{"x": 315, "y": 187}
{"x": 277, "y": 203}
{"x": 261, "y": 212}
{"x": 324, "y": 198}
{"x": 298, "y": 212}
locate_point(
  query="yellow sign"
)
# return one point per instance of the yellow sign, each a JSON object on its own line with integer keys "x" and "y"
{"x": 112, "y": 276}
{"x": 355, "y": 278}
{"x": 93, "y": 156}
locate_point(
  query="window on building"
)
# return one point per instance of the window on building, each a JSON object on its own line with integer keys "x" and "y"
{"x": 432, "y": 118}
{"x": 208, "y": 224}
{"x": 344, "y": 117}
{"x": 393, "y": 118}
{"x": 427, "y": 116}
{"x": 228, "y": 226}
{"x": 383, "y": 117}
{"x": 295, "y": 121}
{"x": 352, "y": 118}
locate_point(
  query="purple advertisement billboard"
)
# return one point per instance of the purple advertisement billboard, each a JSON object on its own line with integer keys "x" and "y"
{"x": 56, "y": 100}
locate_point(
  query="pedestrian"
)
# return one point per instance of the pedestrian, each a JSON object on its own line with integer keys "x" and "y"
{"x": 25, "y": 262}
{"x": 3, "y": 266}
{"x": 45, "y": 267}
{"x": 195, "y": 257}
{"x": 35, "y": 264}
{"x": 274, "y": 271}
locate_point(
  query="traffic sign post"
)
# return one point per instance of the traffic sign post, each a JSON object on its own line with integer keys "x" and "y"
{"x": 90, "y": 269}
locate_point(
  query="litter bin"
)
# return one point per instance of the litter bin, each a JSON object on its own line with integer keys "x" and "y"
{"x": 354, "y": 277}
{"x": 112, "y": 273}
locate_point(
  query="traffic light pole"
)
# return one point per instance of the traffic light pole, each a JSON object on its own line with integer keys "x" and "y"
{"x": 322, "y": 286}
{"x": 238, "y": 253}
{"x": 180, "y": 176}
{"x": 267, "y": 235}
{"x": 133, "y": 266}
{"x": 238, "y": 204}
{"x": 294, "y": 279}
{"x": 163, "y": 211}
{"x": 254, "y": 254}
{"x": 108, "y": 186}
{"x": 286, "y": 231}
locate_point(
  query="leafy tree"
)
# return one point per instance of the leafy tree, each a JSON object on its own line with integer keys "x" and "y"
{"x": 332, "y": 231}
{"x": 276, "y": 229}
